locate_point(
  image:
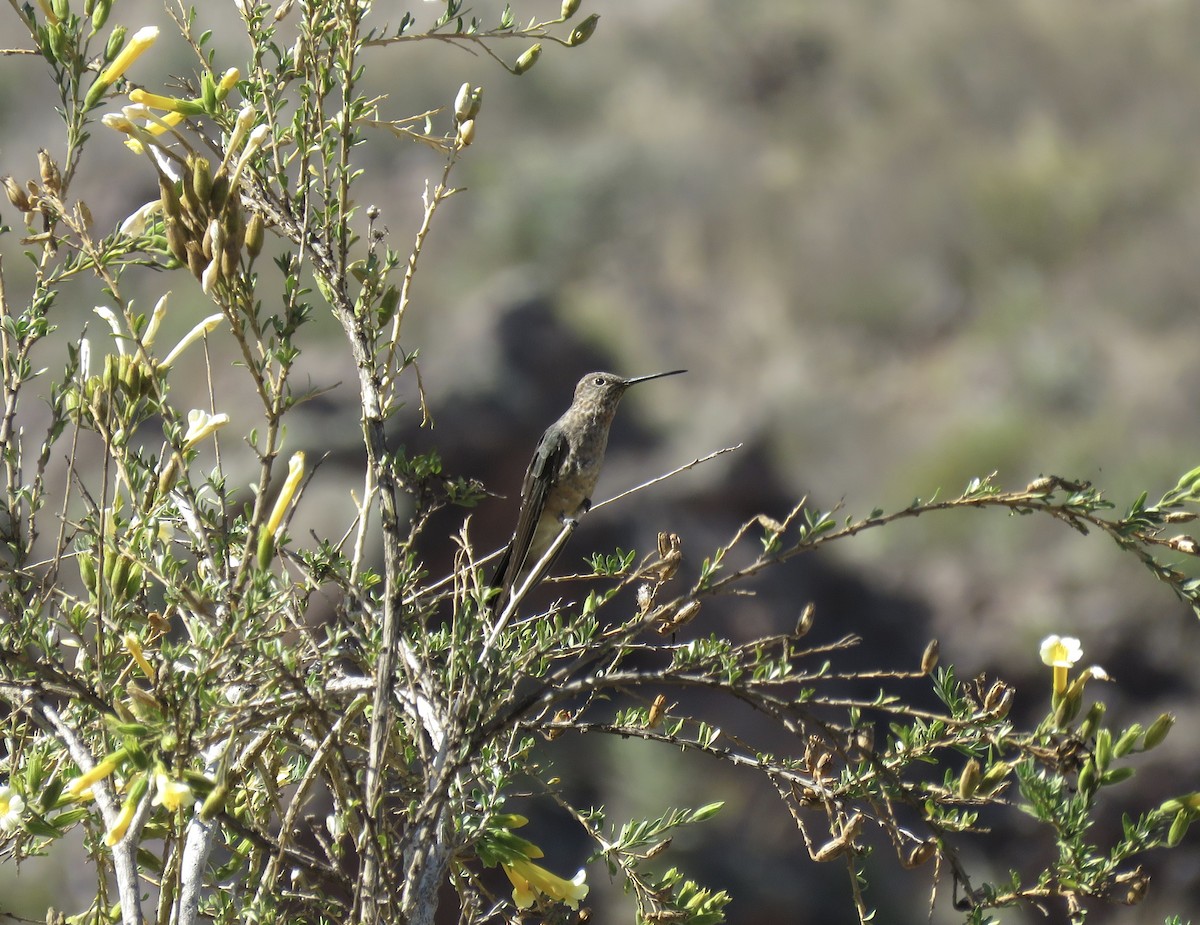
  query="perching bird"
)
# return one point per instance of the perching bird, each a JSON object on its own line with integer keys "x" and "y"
{"x": 560, "y": 479}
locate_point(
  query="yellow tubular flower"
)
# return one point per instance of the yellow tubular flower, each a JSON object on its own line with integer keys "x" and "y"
{"x": 133, "y": 646}
{"x": 99, "y": 771}
{"x": 134, "y": 49}
{"x": 207, "y": 326}
{"x": 121, "y": 826}
{"x": 295, "y": 474}
{"x": 169, "y": 103}
{"x": 528, "y": 879}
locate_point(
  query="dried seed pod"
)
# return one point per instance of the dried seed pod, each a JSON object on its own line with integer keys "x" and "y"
{"x": 17, "y": 196}
{"x": 51, "y": 177}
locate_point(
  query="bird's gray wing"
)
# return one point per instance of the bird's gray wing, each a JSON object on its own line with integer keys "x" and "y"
{"x": 539, "y": 477}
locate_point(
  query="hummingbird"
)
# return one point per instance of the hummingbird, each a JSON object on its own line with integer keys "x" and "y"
{"x": 559, "y": 481}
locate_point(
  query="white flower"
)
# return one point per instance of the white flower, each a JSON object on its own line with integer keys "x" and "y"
{"x": 113, "y": 322}
{"x": 135, "y": 225}
{"x": 206, "y": 326}
{"x": 12, "y": 804}
{"x": 156, "y": 317}
{"x": 200, "y": 425}
{"x": 1061, "y": 651}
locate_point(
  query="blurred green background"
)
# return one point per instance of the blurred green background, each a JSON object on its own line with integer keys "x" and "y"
{"x": 897, "y": 244}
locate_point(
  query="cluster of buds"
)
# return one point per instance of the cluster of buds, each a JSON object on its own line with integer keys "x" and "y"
{"x": 115, "y": 395}
{"x": 466, "y": 108}
{"x": 37, "y": 197}
{"x": 121, "y": 575}
{"x": 205, "y": 222}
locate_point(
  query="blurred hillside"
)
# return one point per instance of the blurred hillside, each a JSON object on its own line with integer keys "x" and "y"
{"x": 898, "y": 245}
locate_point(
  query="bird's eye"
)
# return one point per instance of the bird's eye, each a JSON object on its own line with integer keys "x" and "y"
{"x": 599, "y": 380}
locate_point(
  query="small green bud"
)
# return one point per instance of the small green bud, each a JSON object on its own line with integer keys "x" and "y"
{"x": 100, "y": 14}
{"x": 266, "y": 549}
{"x": 1103, "y": 750}
{"x": 1087, "y": 778}
{"x": 56, "y": 38}
{"x": 116, "y": 41}
{"x": 208, "y": 92}
{"x": 1179, "y": 827}
{"x": 569, "y": 9}
{"x": 202, "y": 180}
{"x": 1091, "y": 722}
{"x": 993, "y": 777}
{"x": 528, "y": 59}
{"x": 1158, "y": 731}
{"x": 87, "y": 570}
{"x": 968, "y": 780}
{"x": 583, "y": 31}
{"x": 62, "y": 9}
{"x": 1127, "y": 741}
{"x": 214, "y": 803}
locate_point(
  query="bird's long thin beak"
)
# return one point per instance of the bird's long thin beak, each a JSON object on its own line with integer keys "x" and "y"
{"x": 674, "y": 372}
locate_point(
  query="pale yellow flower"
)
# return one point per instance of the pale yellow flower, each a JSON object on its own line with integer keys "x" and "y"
{"x": 170, "y": 793}
{"x": 133, "y": 646}
{"x": 294, "y": 476}
{"x": 528, "y": 879}
{"x": 134, "y": 49}
{"x": 99, "y": 771}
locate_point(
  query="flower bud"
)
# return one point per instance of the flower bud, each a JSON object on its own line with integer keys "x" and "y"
{"x": 657, "y": 710}
{"x": 1091, "y": 722}
{"x": 528, "y": 59}
{"x": 116, "y": 41}
{"x": 208, "y": 92}
{"x": 256, "y": 231}
{"x": 462, "y": 103}
{"x": 220, "y": 193}
{"x": 583, "y": 31}
{"x": 1179, "y": 828}
{"x": 1128, "y": 740}
{"x": 466, "y": 133}
{"x": 56, "y": 38}
{"x": 569, "y": 9}
{"x": 968, "y": 780}
{"x": 202, "y": 180}
{"x": 100, "y": 14}
{"x": 1158, "y": 731}
{"x": 1087, "y": 778}
{"x": 804, "y": 624}
{"x": 929, "y": 658}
